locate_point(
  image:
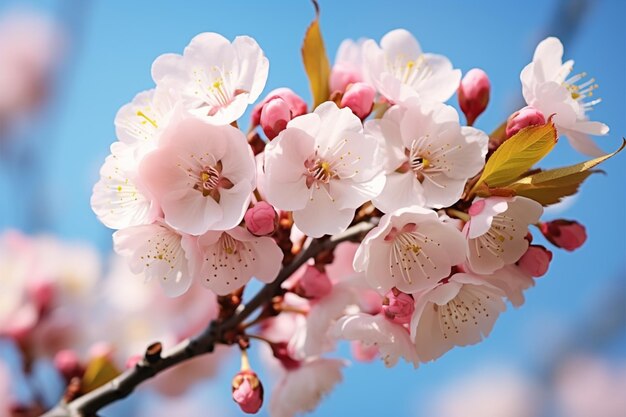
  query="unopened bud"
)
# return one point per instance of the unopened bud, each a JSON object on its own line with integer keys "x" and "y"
{"x": 261, "y": 219}
{"x": 281, "y": 352}
{"x": 566, "y": 234}
{"x": 535, "y": 261}
{"x": 359, "y": 98}
{"x": 398, "y": 306}
{"x": 342, "y": 75}
{"x": 296, "y": 104}
{"x": 473, "y": 94}
{"x": 248, "y": 391}
{"x": 314, "y": 284}
{"x": 527, "y": 116}
{"x": 274, "y": 117}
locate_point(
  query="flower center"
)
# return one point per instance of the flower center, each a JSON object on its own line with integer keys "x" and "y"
{"x": 319, "y": 171}
{"x": 498, "y": 233}
{"x": 410, "y": 72}
{"x": 407, "y": 255}
{"x": 581, "y": 89}
{"x": 209, "y": 181}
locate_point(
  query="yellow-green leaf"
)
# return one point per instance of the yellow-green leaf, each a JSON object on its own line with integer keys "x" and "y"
{"x": 315, "y": 60}
{"x": 517, "y": 155}
{"x": 99, "y": 371}
{"x": 549, "y": 187}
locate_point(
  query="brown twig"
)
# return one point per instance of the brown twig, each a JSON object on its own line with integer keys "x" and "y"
{"x": 123, "y": 385}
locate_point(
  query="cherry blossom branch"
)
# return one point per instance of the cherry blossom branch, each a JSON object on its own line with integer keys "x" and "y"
{"x": 155, "y": 361}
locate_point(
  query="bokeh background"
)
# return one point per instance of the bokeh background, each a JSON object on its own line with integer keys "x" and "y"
{"x": 561, "y": 355}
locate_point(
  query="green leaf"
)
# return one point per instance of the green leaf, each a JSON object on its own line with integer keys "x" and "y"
{"x": 99, "y": 371}
{"x": 549, "y": 187}
{"x": 517, "y": 155}
{"x": 315, "y": 60}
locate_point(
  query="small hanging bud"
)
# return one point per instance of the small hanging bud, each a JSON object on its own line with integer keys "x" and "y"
{"x": 536, "y": 261}
{"x": 274, "y": 117}
{"x": 68, "y": 364}
{"x": 473, "y": 94}
{"x": 566, "y": 234}
{"x": 247, "y": 389}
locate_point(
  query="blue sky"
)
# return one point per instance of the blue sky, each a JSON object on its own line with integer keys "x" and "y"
{"x": 111, "y": 63}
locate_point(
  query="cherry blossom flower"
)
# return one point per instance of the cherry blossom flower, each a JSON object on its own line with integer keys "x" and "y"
{"x": 410, "y": 249}
{"x": 322, "y": 167}
{"x": 119, "y": 198}
{"x": 496, "y": 232}
{"x": 217, "y": 79}
{"x": 141, "y": 122}
{"x": 201, "y": 175}
{"x": 399, "y": 69}
{"x": 159, "y": 252}
{"x": 391, "y": 339}
{"x": 226, "y": 261}
{"x": 547, "y": 87}
{"x": 513, "y": 281}
{"x": 460, "y": 311}
{"x": 301, "y": 389}
{"x": 428, "y": 155}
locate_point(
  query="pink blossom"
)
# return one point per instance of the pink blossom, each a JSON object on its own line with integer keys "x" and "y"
{"x": 301, "y": 390}
{"x": 566, "y": 234}
{"x": 473, "y": 94}
{"x": 527, "y": 116}
{"x": 322, "y": 167}
{"x": 314, "y": 283}
{"x": 410, "y": 249}
{"x": 200, "y": 184}
{"x": 359, "y": 97}
{"x": 226, "y": 261}
{"x": 460, "y": 311}
{"x": 535, "y": 261}
{"x": 391, "y": 339}
{"x": 496, "y": 232}
{"x": 261, "y": 219}
{"x": 248, "y": 392}
{"x": 513, "y": 281}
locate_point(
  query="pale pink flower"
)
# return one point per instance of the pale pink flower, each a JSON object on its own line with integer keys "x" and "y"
{"x": 313, "y": 284}
{"x": 322, "y": 167}
{"x": 201, "y": 175}
{"x": 410, "y": 249}
{"x": 474, "y": 94}
{"x": 217, "y": 79}
{"x": 460, "y": 311}
{"x": 496, "y": 232}
{"x": 158, "y": 252}
{"x": 399, "y": 69}
{"x": 301, "y": 389}
{"x": 226, "y": 261}
{"x": 391, "y": 339}
{"x": 119, "y": 198}
{"x": 547, "y": 86}
{"x": 348, "y": 66}
{"x": 428, "y": 155}
{"x": 513, "y": 281}
{"x": 588, "y": 386}
{"x": 141, "y": 122}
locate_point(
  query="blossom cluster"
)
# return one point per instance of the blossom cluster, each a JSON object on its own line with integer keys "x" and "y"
{"x": 194, "y": 198}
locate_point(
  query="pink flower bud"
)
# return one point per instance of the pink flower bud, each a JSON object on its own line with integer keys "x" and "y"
{"x": 42, "y": 294}
{"x": 359, "y": 98}
{"x": 398, "y": 306}
{"x": 342, "y": 75}
{"x": 275, "y": 115}
{"x": 363, "y": 353}
{"x": 248, "y": 391}
{"x": 281, "y": 352}
{"x": 527, "y": 116}
{"x": 566, "y": 234}
{"x": 68, "y": 364}
{"x": 314, "y": 284}
{"x": 535, "y": 261}
{"x": 297, "y": 106}
{"x": 261, "y": 219}
{"x": 473, "y": 94}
